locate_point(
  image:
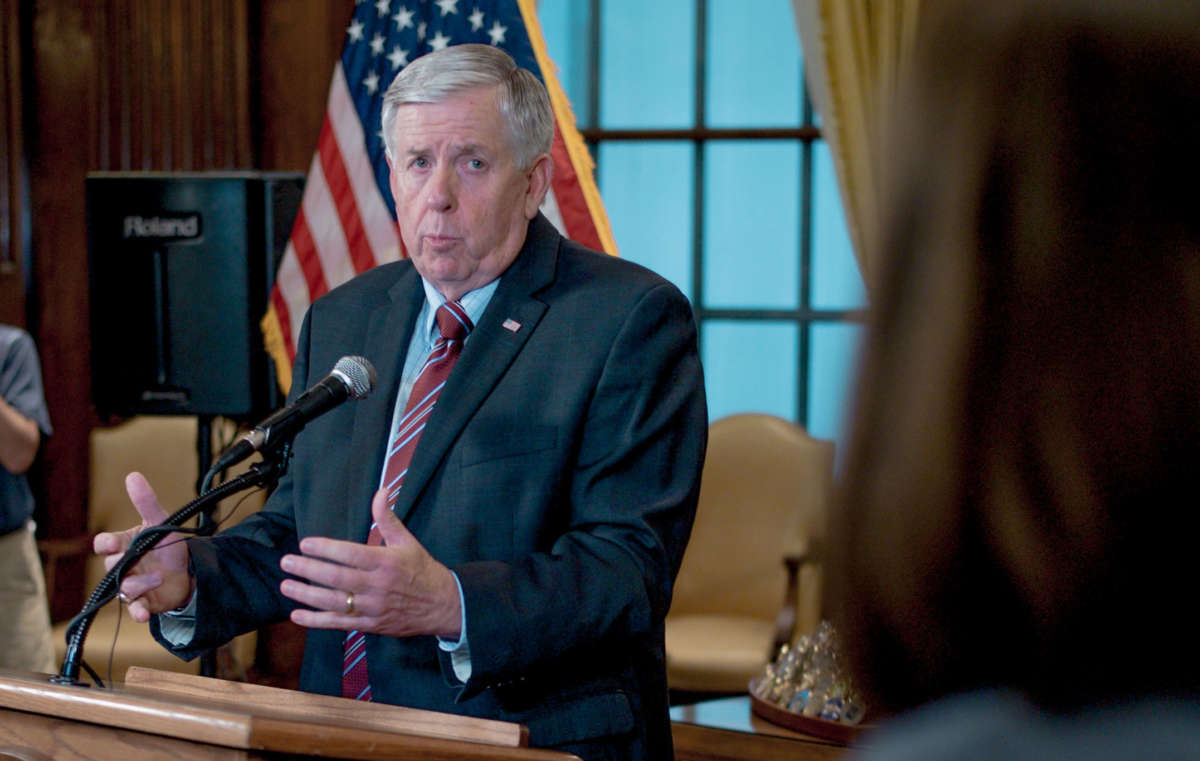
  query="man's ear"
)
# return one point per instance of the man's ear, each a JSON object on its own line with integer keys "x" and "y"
{"x": 539, "y": 184}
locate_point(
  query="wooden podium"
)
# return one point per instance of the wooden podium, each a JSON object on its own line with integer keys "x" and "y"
{"x": 164, "y": 715}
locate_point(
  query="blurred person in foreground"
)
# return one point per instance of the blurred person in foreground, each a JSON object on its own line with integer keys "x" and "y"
{"x": 1016, "y": 544}
{"x": 25, "y": 640}
{"x": 522, "y": 562}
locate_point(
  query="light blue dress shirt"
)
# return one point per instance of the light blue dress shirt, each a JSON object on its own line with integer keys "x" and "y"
{"x": 424, "y": 338}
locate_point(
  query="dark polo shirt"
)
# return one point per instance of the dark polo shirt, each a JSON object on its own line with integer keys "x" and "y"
{"x": 21, "y": 387}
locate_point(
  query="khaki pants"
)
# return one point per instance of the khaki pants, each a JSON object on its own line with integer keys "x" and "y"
{"x": 25, "y": 641}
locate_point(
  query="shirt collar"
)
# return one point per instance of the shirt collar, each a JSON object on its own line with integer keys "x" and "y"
{"x": 474, "y": 302}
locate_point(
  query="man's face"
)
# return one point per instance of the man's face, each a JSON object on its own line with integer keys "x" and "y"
{"x": 462, "y": 203}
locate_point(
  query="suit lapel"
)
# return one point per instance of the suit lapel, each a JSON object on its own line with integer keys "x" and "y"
{"x": 389, "y": 331}
{"x": 486, "y": 357}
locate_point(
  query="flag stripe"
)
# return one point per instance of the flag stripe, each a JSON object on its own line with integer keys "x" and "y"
{"x": 281, "y": 318}
{"x": 292, "y": 290}
{"x": 550, "y": 209}
{"x": 307, "y": 255}
{"x": 357, "y": 246}
{"x": 328, "y": 237}
{"x": 572, "y": 207}
{"x": 378, "y": 222}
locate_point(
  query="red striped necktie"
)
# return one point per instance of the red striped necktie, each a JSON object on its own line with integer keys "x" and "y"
{"x": 454, "y": 324}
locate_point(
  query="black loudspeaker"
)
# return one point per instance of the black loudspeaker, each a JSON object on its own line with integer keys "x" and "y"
{"x": 180, "y": 269}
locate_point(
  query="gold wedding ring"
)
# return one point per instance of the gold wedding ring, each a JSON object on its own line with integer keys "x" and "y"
{"x": 123, "y": 597}
{"x": 349, "y": 603}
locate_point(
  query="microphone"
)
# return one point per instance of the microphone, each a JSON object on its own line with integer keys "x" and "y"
{"x": 351, "y": 378}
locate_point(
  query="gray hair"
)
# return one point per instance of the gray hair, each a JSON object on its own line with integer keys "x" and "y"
{"x": 436, "y": 76}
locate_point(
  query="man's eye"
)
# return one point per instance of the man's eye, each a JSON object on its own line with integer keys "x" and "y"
{"x": 475, "y": 164}
{"x": 420, "y": 163}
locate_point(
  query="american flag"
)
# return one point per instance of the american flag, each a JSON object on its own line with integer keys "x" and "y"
{"x": 346, "y": 223}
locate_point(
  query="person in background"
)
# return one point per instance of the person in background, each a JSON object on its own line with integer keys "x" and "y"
{"x": 25, "y": 641}
{"x": 522, "y": 561}
{"x": 1015, "y": 549}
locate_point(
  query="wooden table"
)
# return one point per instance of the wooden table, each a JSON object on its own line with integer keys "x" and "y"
{"x": 726, "y": 730}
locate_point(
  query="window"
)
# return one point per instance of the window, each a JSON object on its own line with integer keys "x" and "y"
{"x": 712, "y": 169}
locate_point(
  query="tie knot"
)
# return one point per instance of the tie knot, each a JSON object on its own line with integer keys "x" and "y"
{"x": 453, "y": 322}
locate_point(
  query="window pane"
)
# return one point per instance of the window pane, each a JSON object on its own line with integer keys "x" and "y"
{"x": 751, "y": 228}
{"x": 565, "y": 27}
{"x": 647, "y": 63}
{"x": 833, "y": 349}
{"x": 836, "y": 283}
{"x": 647, "y": 189}
{"x": 754, "y": 64}
{"x": 749, "y": 367}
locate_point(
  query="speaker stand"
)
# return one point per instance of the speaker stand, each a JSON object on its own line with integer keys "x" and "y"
{"x": 208, "y": 659}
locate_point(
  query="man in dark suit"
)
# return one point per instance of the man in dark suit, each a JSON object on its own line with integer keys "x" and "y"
{"x": 523, "y": 568}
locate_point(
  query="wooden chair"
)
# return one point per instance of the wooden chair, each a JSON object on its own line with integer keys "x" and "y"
{"x": 750, "y": 576}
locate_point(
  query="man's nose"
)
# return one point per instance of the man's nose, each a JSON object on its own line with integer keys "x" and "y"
{"x": 440, "y": 191}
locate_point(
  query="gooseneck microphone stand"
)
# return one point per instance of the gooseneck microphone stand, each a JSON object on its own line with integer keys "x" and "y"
{"x": 263, "y": 473}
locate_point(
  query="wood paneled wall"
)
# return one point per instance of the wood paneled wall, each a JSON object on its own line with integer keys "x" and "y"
{"x": 163, "y": 85}
{"x": 172, "y": 82}
{"x": 14, "y": 204}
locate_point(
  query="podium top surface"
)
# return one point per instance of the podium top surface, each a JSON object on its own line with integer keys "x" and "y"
{"x": 252, "y": 717}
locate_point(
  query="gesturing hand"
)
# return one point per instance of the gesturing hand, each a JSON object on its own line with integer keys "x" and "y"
{"x": 160, "y": 580}
{"x": 397, "y": 589}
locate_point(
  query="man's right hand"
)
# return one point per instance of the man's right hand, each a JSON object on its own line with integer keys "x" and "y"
{"x": 160, "y": 581}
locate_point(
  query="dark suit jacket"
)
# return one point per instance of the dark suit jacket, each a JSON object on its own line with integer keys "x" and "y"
{"x": 558, "y": 477}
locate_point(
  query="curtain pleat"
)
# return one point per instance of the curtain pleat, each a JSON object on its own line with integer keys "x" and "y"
{"x": 855, "y": 52}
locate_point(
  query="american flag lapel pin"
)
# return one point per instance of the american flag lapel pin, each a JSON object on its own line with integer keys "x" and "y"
{"x": 511, "y": 324}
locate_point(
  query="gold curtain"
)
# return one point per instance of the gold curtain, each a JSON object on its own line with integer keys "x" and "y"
{"x": 854, "y": 53}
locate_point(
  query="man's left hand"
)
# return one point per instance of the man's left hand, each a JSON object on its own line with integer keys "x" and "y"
{"x": 396, "y": 589}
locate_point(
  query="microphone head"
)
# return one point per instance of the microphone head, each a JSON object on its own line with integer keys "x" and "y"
{"x": 358, "y": 373}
